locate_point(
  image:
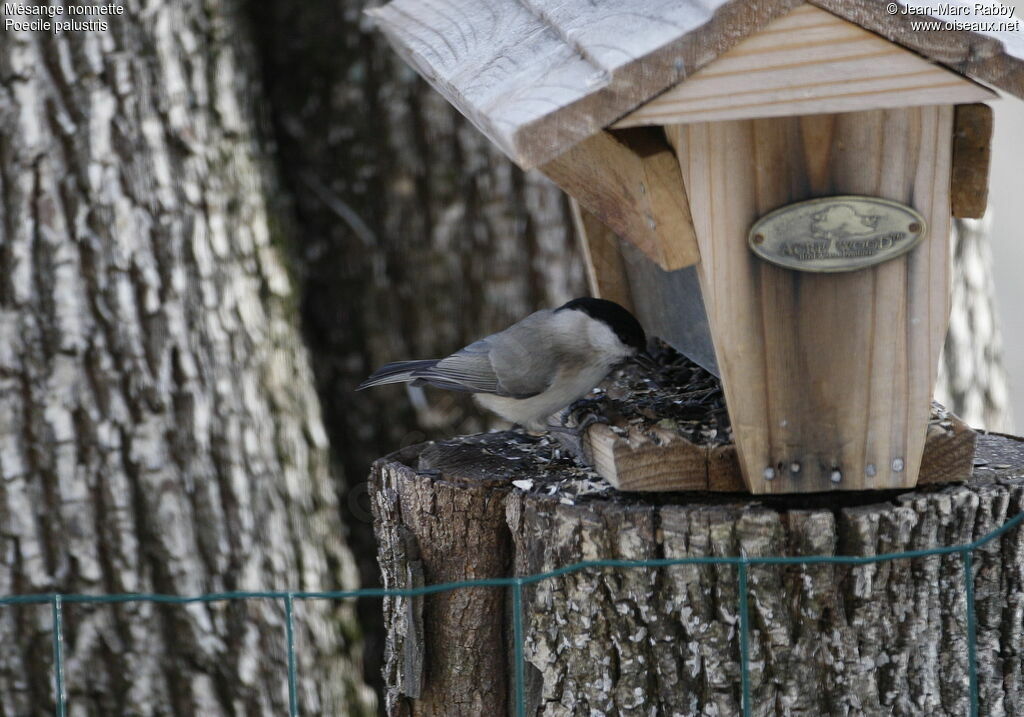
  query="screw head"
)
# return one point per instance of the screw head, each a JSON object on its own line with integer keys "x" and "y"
{"x": 836, "y": 476}
{"x": 769, "y": 473}
{"x": 794, "y": 467}
{"x": 914, "y": 227}
{"x": 870, "y": 471}
{"x": 758, "y": 238}
{"x": 897, "y": 464}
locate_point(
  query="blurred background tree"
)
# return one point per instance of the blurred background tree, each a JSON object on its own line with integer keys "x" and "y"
{"x": 972, "y": 379}
{"x": 159, "y": 426}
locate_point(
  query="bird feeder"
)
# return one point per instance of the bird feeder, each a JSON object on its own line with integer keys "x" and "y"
{"x": 782, "y": 168}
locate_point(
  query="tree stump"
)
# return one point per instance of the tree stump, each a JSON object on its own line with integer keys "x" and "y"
{"x": 885, "y": 638}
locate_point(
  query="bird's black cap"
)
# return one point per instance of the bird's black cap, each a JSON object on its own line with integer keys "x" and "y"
{"x": 619, "y": 320}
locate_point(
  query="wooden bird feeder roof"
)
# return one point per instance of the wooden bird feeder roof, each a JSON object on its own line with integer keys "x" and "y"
{"x": 539, "y": 76}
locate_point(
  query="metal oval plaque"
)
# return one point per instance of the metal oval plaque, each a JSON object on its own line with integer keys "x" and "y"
{"x": 836, "y": 233}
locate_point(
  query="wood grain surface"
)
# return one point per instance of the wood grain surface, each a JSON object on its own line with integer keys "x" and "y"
{"x": 658, "y": 459}
{"x": 538, "y": 76}
{"x": 630, "y": 180}
{"x": 972, "y": 152}
{"x": 808, "y": 62}
{"x": 824, "y": 372}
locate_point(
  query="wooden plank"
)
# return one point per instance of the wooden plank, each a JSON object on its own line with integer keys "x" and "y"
{"x": 831, "y": 372}
{"x": 807, "y": 62}
{"x": 992, "y": 56}
{"x": 606, "y": 273}
{"x": 650, "y": 458}
{"x": 630, "y": 181}
{"x": 948, "y": 452}
{"x": 972, "y": 148}
{"x": 538, "y": 76}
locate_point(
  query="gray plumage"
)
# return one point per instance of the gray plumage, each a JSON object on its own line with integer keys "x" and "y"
{"x": 535, "y": 367}
{"x": 499, "y": 364}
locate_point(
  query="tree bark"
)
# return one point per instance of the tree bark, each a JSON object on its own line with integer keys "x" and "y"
{"x": 466, "y": 540}
{"x": 159, "y": 429}
{"x": 880, "y": 639}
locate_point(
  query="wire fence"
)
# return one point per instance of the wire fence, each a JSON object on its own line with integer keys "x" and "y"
{"x": 742, "y": 564}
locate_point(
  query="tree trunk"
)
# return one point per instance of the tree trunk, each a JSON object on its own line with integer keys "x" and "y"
{"x": 880, "y": 639}
{"x": 159, "y": 429}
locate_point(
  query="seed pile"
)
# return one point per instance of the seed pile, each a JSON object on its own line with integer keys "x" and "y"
{"x": 676, "y": 394}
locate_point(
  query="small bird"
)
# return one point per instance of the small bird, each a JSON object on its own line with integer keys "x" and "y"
{"x": 536, "y": 367}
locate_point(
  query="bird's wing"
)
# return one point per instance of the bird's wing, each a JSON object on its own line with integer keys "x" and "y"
{"x": 523, "y": 356}
{"x": 468, "y": 369}
{"x": 519, "y": 362}
{"x": 512, "y": 363}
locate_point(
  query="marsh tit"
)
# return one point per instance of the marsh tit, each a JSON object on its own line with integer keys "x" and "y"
{"x": 536, "y": 367}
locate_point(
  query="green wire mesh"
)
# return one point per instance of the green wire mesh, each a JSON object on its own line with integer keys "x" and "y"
{"x": 742, "y": 563}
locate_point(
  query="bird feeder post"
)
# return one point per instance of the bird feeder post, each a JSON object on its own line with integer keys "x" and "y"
{"x": 886, "y": 637}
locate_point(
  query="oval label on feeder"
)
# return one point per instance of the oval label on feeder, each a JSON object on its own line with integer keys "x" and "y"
{"x": 836, "y": 233}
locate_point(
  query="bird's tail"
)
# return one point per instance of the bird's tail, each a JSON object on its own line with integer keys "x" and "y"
{"x": 397, "y": 372}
